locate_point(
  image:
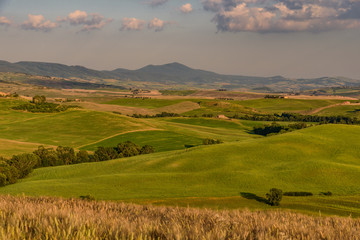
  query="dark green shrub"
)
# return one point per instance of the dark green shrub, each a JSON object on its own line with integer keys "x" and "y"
{"x": 298, "y": 194}
{"x": 87, "y": 197}
{"x": 326, "y": 193}
{"x": 209, "y": 141}
{"x": 147, "y": 149}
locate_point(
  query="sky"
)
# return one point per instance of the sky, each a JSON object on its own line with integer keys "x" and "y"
{"x": 292, "y": 38}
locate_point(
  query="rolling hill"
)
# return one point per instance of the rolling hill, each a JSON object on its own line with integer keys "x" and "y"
{"x": 175, "y": 74}
{"x": 317, "y": 159}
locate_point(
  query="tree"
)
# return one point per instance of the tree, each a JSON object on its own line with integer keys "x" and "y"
{"x": 24, "y": 163}
{"x": 105, "y": 153}
{"x": 82, "y": 156}
{"x": 8, "y": 174}
{"x": 39, "y": 99}
{"x": 274, "y": 197}
{"x": 128, "y": 149}
{"x": 48, "y": 157}
{"x": 66, "y": 155}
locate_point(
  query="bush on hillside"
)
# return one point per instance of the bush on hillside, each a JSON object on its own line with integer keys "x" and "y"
{"x": 297, "y": 194}
{"x": 210, "y": 141}
{"x": 147, "y": 149}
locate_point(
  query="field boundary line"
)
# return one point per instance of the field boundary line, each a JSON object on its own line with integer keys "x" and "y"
{"x": 331, "y": 106}
{"x": 118, "y": 134}
{"x": 27, "y": 143}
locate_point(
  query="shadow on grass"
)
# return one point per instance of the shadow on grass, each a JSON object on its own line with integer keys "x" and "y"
{"x": 189, "y": 146}
{"x": 252, "y": 196}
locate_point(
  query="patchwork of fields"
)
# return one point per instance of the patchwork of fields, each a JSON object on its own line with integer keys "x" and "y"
{"x": 185, "y": 172}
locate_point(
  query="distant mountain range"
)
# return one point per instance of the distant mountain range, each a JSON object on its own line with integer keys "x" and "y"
{"x": 173, "y": 75}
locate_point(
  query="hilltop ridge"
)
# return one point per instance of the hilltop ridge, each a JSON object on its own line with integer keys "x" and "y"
{"x": 176, "y": 75}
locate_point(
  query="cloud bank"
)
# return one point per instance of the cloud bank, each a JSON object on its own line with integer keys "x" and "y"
{"x": 132, "y": 24}
{"x": 284, "y": 15}
{"x": 38, "y": 23}
{"x": 88, "y": 22}
{"x": 4, "y": 21}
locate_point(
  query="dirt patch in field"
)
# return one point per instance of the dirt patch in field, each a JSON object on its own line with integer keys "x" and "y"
{"x": 179, "y": 107}
{"x": 116, "y": 108}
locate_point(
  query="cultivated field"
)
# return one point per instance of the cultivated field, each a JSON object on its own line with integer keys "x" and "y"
{"x": 52, "y": 218}
{"x": 182, "y": 171}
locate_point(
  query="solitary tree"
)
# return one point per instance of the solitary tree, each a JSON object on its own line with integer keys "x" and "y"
{"x": 274, "y": 196}
{"x": 39, "y": 99}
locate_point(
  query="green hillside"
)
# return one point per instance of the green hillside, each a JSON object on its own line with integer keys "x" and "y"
{"x": 317, "y": 159}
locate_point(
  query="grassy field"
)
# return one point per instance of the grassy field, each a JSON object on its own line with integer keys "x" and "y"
{"x": 144, "y": 103}
{"x": 286, "y": 105}
{"x": 350, "y": 111}
{"x": 159, "y": 139}
{"x": 182, "y": 133}
{"x": 23, "y": 131}
{"x": 234, "y": 169}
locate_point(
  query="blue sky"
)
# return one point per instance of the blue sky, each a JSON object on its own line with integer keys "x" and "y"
{"x": 293, "y": 38}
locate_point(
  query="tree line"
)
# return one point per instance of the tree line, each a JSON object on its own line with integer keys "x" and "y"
{"x": 159, "y": 115}
{"x": 39, "y": 105}
{"x": 19, "y": 166}
{"x": 296, "y": 117}
{"x": 276, "y": 128}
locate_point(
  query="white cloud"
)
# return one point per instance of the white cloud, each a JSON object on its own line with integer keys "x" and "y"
{"x": 5, "y": 21}
{"x": 186, "y": 8}
{"x": 88, "y": 22}
{"x": 284, "y": 15}
{"x": 38, "y": 23}
{"x": 157, "y": 24}
{"x": 132, "y": 24}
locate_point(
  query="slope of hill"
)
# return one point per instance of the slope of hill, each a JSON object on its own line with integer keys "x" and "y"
{"x": 317, "y": 159}
{"x": 175, "y": 74}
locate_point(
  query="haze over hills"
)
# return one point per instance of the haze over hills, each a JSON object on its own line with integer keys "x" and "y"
{"x": 174, "y": 74}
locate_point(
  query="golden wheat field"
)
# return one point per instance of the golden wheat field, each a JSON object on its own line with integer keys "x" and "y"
{"x": 56, "y": 218}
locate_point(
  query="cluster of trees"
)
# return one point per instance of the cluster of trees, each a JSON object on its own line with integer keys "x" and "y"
{"x": 276, "y": 128}
{"x": 60, "y": 156}
{"x": 19, "y": 166}
{"x": 125, "y": 149}
{"x": 39, "y": 105}
{"x": 159, "y": 115}
{"x": 273, "y": 96}
{"x": 210, "y": 141}
{"x": 296, "y": 117}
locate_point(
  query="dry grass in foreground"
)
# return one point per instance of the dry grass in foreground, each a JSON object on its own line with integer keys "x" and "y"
{"x": 56, "y": 218}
